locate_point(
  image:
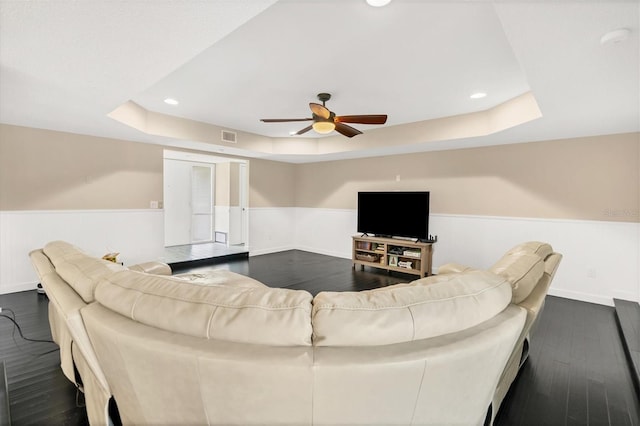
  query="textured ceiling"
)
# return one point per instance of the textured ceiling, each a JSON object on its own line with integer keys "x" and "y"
{"x": 419, "y": 70}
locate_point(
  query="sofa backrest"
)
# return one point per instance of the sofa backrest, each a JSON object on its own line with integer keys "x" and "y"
{"x": 445, "y": 380}
{"x": 425, "y": 308}
{"x": 158, "y": 376}
{"x": 523, "y": 266}
{"x": 61, "y": 299}
{"x": 67, "y": 327}
{"x": 539, "y": 248}
{"x": 256, "y": 314}
{"x": 523, "y": 271}
{"x": 81, "y": 271}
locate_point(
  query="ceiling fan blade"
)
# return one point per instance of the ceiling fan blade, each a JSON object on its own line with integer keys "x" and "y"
{"x": 362, "y": 119}
{"x": 305, "y": 130}
{"x": 320, "y": 110}
{"x": 347, "y": 131}
{"x": 283, "y": 120}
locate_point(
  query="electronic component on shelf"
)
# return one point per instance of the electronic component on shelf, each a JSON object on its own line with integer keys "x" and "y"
{"x": 412, "y": 253}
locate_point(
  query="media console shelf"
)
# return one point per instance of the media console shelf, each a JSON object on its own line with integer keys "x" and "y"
{"x": 393, "y": 255}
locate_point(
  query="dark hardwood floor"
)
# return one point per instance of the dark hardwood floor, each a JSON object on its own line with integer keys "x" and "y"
{"x": 628, "y": 316}
{"x": 576, "y": 373}
{"x": 39, "y": 394}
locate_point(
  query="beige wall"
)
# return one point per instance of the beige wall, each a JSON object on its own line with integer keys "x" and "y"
{"x": 48, "y": 170}
{"x": 222, "y": 184}
{"x": 593, "y": 178}
{"x": 272, "y": 184}
{"x": 227, "y": 189}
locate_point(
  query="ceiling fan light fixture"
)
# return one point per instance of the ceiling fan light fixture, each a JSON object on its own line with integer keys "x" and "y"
{"x": 378, "y": 3}
{"x": 323, "y": 127}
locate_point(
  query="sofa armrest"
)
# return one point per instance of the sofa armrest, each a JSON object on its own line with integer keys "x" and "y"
{"x": 155, "y": 268}
{"x": 453, "y": 268}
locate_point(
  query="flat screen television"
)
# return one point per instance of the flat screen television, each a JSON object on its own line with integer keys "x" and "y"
{"x": 394, "y": 214}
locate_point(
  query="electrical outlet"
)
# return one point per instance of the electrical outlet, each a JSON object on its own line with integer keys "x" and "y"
{"x": 153, "y": 204}
{"x": 591, "y": 273}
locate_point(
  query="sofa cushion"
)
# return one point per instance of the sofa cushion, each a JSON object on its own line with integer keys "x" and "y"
{"x": 261, "y": 315}
{"x": 406, "y": 312}
{"x": 83, "y": 273}
{"x": 453, "y": 268}
{"x": 523, "y": 271}
{"x": 532, "y": 247}
{"x": 220, "y": 277}
{"x": 153, "y": 267}
{"x": 59, "y": 251}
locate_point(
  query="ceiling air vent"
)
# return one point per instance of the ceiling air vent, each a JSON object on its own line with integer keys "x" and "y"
{"x": 228, "y": 136}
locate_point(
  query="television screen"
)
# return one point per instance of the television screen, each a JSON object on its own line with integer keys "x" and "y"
{"x": 394, "y": 214}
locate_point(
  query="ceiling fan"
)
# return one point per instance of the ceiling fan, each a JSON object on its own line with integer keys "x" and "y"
{"x": 325, "y": 121}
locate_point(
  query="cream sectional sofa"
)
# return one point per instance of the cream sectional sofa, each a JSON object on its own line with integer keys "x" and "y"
{"x": 529, "y": 267}
{"x": 221, "y": 348}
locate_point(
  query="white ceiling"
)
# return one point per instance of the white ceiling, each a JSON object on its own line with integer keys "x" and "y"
{"x": 66, "y": 64}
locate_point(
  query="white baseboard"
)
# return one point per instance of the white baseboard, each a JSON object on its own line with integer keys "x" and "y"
{"x": 325, "y": 252}
{"x": 270, "y": 250}
{"x": 15, "y": 288}
{"x": 582, "y": 297}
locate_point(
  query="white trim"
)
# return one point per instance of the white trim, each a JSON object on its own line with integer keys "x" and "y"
{"x": 15, "y": 288}
{"x": 327, "y": 209}
{"x": 531, "y": 219}
{"x": 582, "y": 297}
{"x": 194, "y": 157}
{"x": 258, "y": 209}
{"x": 271, "y": 250}
{"x": 41, "y": 212}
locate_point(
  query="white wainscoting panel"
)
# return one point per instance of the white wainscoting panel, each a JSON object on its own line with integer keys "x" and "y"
{"x": 136, "y": 234}
{"x": 325, "y": 231}
{"x": 235, "y": 225}
{"x": 271, "y": 229}
{"x": 221, "y": 219}
{"x": 601, "y": 259}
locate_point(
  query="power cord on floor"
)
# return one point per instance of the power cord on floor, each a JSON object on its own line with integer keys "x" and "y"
{"x": 16, "y": 326}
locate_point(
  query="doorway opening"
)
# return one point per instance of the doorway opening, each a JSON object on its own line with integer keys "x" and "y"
{"x": 205, "y": 200}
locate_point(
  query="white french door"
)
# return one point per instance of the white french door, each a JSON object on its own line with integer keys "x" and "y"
{"x": 202, "y": 203}
{"x": 188, "y": 202}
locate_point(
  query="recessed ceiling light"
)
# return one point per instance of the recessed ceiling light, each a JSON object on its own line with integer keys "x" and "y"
{"x": 615, "y": 36}
{"x": 171, "y": 101}
{"x": 478, "y": 95}
{"x": 378, "y": 3}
